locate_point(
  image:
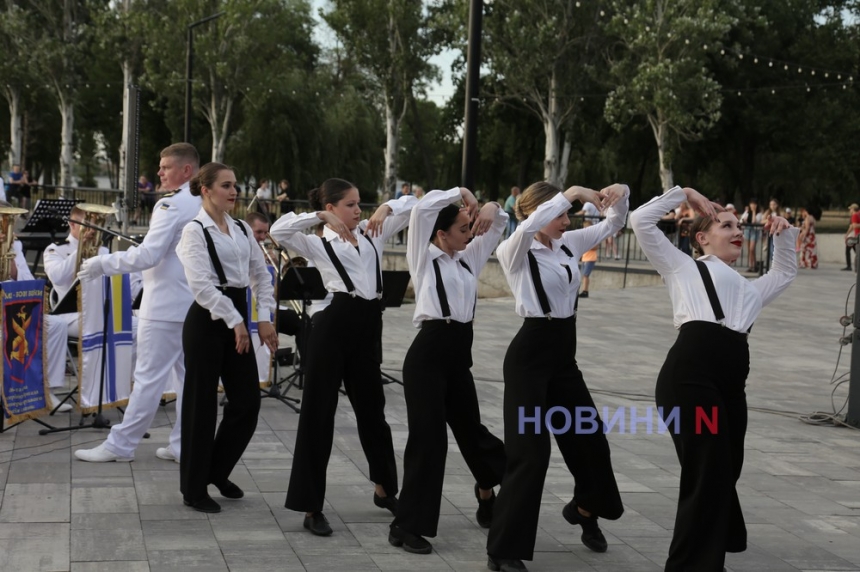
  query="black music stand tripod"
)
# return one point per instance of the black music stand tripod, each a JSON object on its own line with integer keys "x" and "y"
{"x": 394, "y": 283}
{"x": 303, "y": 284}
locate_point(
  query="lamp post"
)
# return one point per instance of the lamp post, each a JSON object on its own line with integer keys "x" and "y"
{"x": 473, "y": 77}
{"x": 189, "y": 57}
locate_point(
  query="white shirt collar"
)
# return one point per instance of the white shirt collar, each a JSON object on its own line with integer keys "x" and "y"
{"x": 436, "y": 252}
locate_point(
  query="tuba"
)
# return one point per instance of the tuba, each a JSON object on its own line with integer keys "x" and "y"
{"x": 7, "y": 237}
{"x": 90, "y": 239}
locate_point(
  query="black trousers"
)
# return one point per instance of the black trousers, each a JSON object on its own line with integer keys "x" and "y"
{"x": 709, "y": 521}
{"x": 849, "y": 251}
{"x": 439, "y": 389}
{"x": 343, "y": 346}
{"x": 210, "y": 355}
{"x": 540, "y": 372}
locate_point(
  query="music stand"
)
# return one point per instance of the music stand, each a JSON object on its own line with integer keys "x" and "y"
{"x": 394, "y": 283}
{"x": 48, "y": 217}
{"x": 303, "y": 284}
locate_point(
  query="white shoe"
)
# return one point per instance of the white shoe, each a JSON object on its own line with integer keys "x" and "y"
{"x": 55, "y": 400}
{"x": 100, "y": 455}
{"x": 166, "y": 453}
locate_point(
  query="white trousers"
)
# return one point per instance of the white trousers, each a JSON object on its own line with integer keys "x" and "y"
{"x": 160, "y": 367}
{"x": 56, "y": 340}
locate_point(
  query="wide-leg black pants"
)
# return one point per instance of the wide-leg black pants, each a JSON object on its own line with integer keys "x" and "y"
{"x": 439, "y": 389}
{"x": 210, "y": 355}
{"x": 540, "y": 372}
{"x": 343, "y": 346}
{"x": 706, "y": 372}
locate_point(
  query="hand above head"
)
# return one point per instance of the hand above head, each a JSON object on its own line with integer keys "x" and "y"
{"x": 243, "y": 340}
{"x": 612, "y": 194}
{"x": 584, "y": 195}
{"x": 469, "y": 202}
{"x": 374, "y": 223}
{"x": 776, "y": 224}
{"x": 702, "y": 204}
{"x": 486, "y": 217}
{"x": 268, "y": 335}
{"x": 333, "y": 222}
{"x": 91, "y": 269}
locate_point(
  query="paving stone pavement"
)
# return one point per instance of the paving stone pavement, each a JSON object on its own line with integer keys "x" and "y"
{"x": 800, "y": 488}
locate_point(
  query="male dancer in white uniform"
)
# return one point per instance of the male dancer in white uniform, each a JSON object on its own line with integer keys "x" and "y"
{"x": 166, "y": 299}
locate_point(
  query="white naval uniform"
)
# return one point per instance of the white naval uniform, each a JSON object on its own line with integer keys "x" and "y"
{"x": 55, "y": 330}
{"x": 166, "y": 299}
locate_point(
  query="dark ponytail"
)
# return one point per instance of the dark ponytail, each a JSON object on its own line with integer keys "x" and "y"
{"x": 330, "y": 192}
{"x": 446, "y": 219}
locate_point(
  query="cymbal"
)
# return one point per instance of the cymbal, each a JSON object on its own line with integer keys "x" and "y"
{"x": 12, "y": 211}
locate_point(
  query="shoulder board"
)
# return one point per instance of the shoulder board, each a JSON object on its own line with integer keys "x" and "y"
{"x": 60, "y": 242}
{"x": 169, "y": 194}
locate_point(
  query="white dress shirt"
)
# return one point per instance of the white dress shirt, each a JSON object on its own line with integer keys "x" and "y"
{"x": 166, "y": 296}
{"x": 461, "y": 286}
{"x": 561, "y": 288}
{"x": 741, "y": 299}
{"x": 241, "y": 259}
{"x": 359, "y": 262}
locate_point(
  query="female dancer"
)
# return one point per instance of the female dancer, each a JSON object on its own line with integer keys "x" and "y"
{"x": 445, "y": 266}
{"x": 221, "y": 258}
{"x": 344, "y": 342}
{"x": 714, "y": 308}
{"x": 540, "y": 263}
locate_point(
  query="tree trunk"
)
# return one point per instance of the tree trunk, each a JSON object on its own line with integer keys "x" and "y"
{"x": 123, "y": 145}
{"x": 552, "y": 148}
{"x": 219, "y": 126}
{"x": 565, "y": 159}
{"x": 392, "y": 134}
{"x": 67, "y": 148}
{"x": 661, "y": 135}
{"x": 417, "y": 127}
{"x": 16, "y": 132}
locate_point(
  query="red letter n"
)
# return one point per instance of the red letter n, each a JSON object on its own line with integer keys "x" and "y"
{"x": 711, "y": 423}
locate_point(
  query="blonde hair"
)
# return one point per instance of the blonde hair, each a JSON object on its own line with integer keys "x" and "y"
{"x": 531, "y": 198}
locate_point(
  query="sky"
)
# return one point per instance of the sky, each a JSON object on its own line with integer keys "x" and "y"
{"x": 439, "y": 92}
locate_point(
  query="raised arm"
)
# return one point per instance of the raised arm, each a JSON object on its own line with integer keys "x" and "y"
{"x": 289, "y": 231}
{"x": 421, "y": 223}
{"x": 584, "y": 239}
{"x": 660, "y": 251}
{"x": 390, "y": 218}
{"x": 783, "y": 269}
{"x": 479, "y": 250}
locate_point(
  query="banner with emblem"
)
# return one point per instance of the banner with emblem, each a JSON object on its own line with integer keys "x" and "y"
{"x": 22, "y": 314}
{"x": 262, "y": 353}
{"x": 105, "y": 354}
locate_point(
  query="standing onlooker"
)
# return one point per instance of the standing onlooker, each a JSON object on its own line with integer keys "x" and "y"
{"x": 589, "y": 259}
{"x": 789, "y": 216}
{"x": 418, "y": 191}
{"x": 806, "y": 242}
{"x": 851, "y": 234}
{"x": 684, "y": 220}
{"x": 405, "y": 189}
{"x": 24, "y": 190}
{"x": 509, "y": 208}
{"x": 264, "y": 196}
{"x": 146, "y": 196}
{"x": 13, "y": 185}
{"x": 772, "y": 211}
{"x": 752, "y": 220}
{"x": 283, "y": 197}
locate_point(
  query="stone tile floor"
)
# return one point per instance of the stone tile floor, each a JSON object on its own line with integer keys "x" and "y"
{"x": 800, "y": 488}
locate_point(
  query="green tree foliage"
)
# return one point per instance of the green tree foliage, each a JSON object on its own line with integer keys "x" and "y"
{"x": 659, "y": 69}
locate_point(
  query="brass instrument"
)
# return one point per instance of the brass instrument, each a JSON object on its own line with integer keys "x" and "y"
{"x": 298, "y": 261}
{"x": 90, "y": 239}
{"x": 7, "y": 237}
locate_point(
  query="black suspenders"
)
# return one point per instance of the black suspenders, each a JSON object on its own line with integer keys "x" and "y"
{"x": 344, "y": 276}
{"x": 712, "y": 293}
{"x": 538, "y": 283}
{"x": 440, "y": 291}
{"x": 213, "y": 253}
